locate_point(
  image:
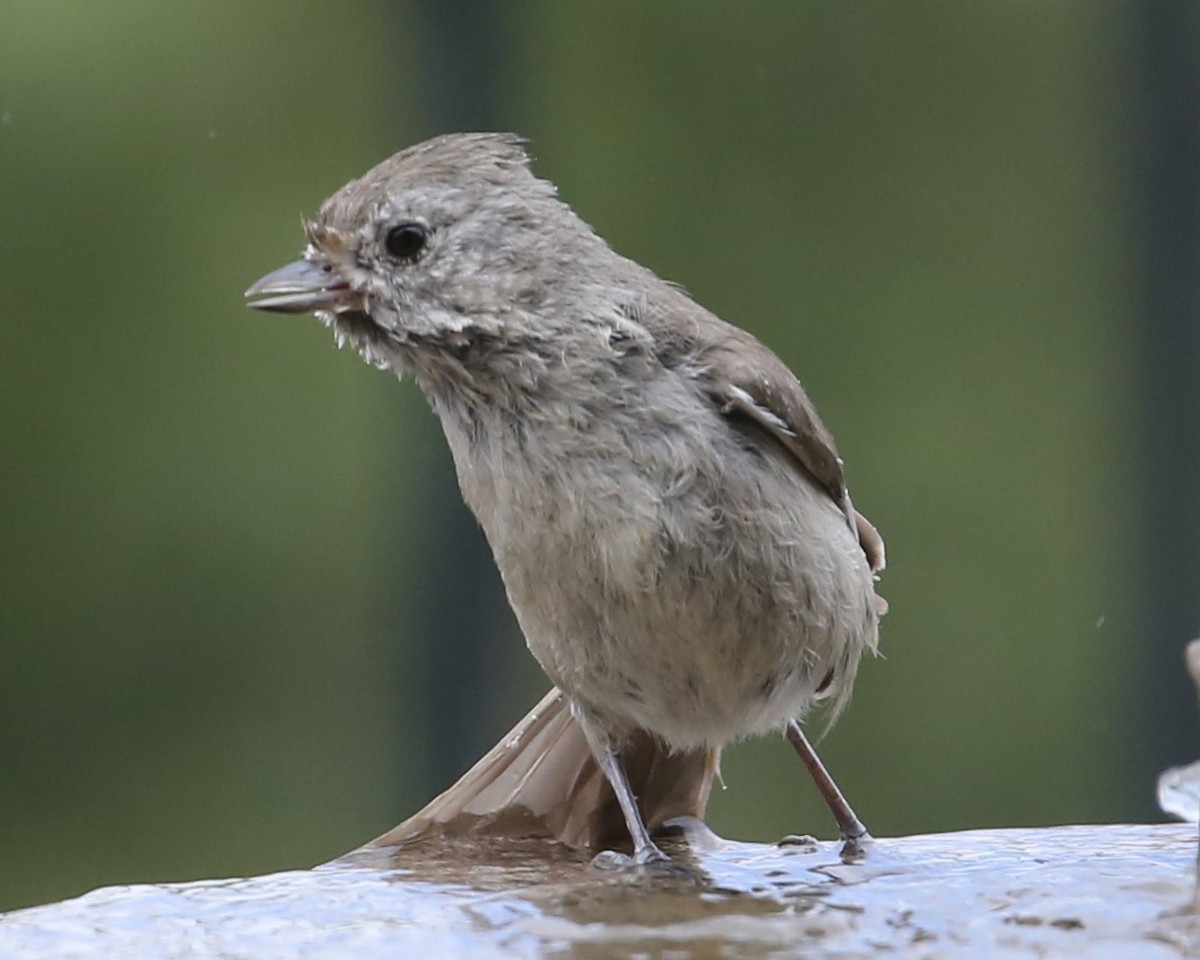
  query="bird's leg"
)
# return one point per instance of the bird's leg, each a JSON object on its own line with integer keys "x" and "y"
{"x": 608, "y": 757}
{"x": 645, "y": 851}
{"x": 853, "y": 831}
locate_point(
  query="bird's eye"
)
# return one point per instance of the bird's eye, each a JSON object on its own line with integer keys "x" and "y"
{"x": 405, "y": 240}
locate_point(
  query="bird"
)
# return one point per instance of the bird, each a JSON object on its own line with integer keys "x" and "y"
{"x": 668, "y": 513}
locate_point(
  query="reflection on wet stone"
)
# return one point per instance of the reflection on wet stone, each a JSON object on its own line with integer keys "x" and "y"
{"x": 1081, "y": 891}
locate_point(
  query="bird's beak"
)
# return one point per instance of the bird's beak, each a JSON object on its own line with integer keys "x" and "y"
{"x": 300, "y": 287}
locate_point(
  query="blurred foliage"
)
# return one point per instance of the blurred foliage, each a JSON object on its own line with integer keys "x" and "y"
{"x": 214, "y": 624}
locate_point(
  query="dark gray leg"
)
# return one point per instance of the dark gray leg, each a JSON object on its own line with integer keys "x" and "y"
{"x": 852, "y": 829}
{"x": 644, "y": 849}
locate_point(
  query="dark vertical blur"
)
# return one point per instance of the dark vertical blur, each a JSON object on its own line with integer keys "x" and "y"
{"x": 459, "y": 90}
{"x": 1168, "y": 178}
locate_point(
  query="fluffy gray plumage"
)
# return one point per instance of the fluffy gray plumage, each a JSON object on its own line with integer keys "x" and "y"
{"x": 667, "y": 511}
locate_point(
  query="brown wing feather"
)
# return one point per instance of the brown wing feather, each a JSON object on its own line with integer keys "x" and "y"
{"x": 743, "y": 377}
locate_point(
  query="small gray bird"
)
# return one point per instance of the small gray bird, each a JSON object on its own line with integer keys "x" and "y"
{"x": 667, "y": 510}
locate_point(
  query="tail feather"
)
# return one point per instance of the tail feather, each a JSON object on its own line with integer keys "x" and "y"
{"x": 541, "y": 781}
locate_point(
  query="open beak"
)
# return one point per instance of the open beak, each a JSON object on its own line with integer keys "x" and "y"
{"x": 300, "y": 287}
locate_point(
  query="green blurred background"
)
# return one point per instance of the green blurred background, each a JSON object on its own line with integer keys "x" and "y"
{"x": 235, "y": 575}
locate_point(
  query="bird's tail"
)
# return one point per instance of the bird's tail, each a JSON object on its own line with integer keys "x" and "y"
{"x": 541, "y": 781}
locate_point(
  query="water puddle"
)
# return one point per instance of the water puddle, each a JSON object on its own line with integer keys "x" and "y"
{"x": 1107, "y": 892}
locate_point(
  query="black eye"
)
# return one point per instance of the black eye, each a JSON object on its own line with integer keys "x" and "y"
{"x": 405, "y": 240}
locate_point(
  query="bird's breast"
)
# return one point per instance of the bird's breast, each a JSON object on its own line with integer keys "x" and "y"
{"x": 660, "y": 570}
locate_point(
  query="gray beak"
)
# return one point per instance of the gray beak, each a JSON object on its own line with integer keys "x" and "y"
{"x": 300, "y": 287}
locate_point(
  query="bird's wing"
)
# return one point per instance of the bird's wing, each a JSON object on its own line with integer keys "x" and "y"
{"x": 747, "y": 380}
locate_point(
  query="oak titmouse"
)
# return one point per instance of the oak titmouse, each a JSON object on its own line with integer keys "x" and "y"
{"x": 667, "y": 510}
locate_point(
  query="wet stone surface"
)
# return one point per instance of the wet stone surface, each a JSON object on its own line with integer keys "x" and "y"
{"x": 1080, "y": 891}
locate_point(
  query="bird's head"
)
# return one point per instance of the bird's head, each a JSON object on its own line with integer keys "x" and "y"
{"x": 446, "y": 240}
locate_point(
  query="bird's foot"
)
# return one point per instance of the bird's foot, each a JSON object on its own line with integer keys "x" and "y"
{"x": 649, "y": 861}
{"x": 855, "y": 845}
{"x": 612, "y": 860}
